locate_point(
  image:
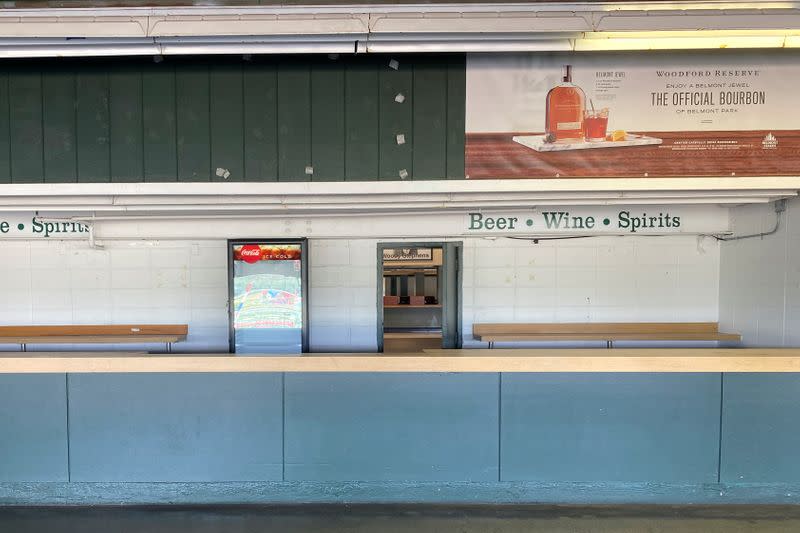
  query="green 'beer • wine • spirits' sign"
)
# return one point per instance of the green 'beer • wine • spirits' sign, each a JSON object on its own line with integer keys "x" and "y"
{"x": 33, "y": 227}
{"x": 555, "y": 221}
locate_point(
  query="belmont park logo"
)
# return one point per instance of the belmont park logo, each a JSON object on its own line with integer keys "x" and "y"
{"x": 770, "y": 142}
{"x": 564, "y": 221}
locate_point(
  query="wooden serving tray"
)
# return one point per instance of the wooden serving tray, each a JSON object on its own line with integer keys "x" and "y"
{"x": 537, "y": 142}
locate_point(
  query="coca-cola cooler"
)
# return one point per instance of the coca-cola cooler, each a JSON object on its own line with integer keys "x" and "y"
{"x": 267, "y": 283}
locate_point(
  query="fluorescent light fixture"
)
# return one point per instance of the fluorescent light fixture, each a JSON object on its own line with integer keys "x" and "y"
{"x": 489, "y": 41}
{"x": 8, "y": 52}
{"x": 97, "y": 47}
{"x": 270, "y": 46}
{"x": 685, "y": 40}
{"x": 264, "y": 44}
{"x": 486, "y": 23}
{"x": 75, "y": 47}
{"x": 792, "y": 41}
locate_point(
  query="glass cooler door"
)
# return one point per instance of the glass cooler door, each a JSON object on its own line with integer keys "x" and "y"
{"x": 267, "y": 296}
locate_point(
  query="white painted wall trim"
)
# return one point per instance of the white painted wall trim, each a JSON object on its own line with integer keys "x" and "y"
{"x": 565, "y": 191}
{"x": 618, "y": 185}
{"x": 386, "y": 197}
{"x": 527, "y": 222}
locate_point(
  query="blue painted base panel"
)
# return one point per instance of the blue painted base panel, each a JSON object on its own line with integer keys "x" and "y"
{"x": 175, "y": 427}
{"x": 760, "y": 436}
{"x": 600, "y": 428}
{"x": 390, "y": 427}
{"x": 380, "y": 492}
{"x": 33, "y": 428}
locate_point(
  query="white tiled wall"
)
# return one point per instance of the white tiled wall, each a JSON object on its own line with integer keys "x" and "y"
{"x": 343, "y": 295}
{"x": 599, "y": 279}
{"x": 66, "y": 282}
{"x": 760, "y": 277}
{"x": 603, "y": 279}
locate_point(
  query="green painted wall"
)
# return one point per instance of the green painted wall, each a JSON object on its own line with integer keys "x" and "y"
{"x": 229, "y": 119}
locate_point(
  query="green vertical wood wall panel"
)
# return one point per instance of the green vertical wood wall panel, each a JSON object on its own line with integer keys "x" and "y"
{"x": 430, "y": 122}
{"x": 260, "y": 94}
{"x": 126, "y": 149}
{"x": 59, "y": 126}
{"x": 25, "y": 93}
{"x": 294, "y": 121}
{"x": 362, "y": 153}
{"x": 158, "y": 103}
{"x": 456, "y": 116}
{"x": 327, "y": 121}
{"x": 396, "y": 119}
{"x": 276, "y": 118}
{"x": 194, "y": 134}
{"x": 227, "y": 123}
{"x": 93, "y": 125}
{"x": 5, "y": 140}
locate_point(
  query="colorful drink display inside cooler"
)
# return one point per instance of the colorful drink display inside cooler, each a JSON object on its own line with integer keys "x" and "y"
{"x": 267, "y": 301}
{"x": 267, "y": 297}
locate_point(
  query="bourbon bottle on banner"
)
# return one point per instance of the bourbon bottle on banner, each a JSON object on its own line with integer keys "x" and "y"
{"x": 564, "y": 112}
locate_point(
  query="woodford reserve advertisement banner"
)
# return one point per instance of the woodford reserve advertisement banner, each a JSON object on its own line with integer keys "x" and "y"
{"x": 722, "y": 113}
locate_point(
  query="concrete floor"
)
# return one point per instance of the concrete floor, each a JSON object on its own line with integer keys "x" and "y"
{"x": 395, "y": 519}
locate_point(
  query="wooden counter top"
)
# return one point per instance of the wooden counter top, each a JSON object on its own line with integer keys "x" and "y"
{"x": 498, "y": 360}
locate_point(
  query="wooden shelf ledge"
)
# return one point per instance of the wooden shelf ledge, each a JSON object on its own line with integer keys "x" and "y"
{"x": 613, "y": 337}
{"x": 94, "y": 339}
{"x": 519, "y": 360}
{"x": 94, "y": 334}
{"x": 409, "y": 306}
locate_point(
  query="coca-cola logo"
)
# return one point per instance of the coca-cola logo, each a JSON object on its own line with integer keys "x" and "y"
{"x": 250, "y": 253}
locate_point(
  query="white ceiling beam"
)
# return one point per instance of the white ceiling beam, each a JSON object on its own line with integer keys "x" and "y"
{"x": 483, "y": 27}
{"x": 784, "y": 19}
{"x": 231, "y": 198}
{"x": 524, "y": 23}
{"x": 344, "y": 24}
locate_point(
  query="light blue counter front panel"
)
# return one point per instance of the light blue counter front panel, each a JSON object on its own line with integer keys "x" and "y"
{"x": 391, "y": 427}
{"x": 33, "y": 427}
{"x": 761, "y": 428}
{"x": 610, "y": 427}
{"x": 175, "y": 427}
